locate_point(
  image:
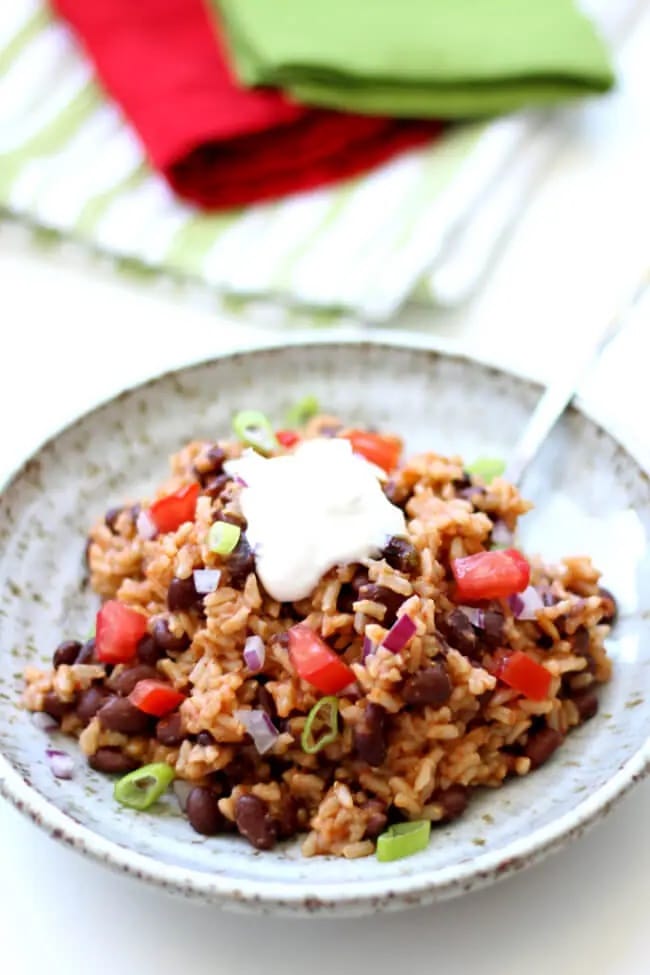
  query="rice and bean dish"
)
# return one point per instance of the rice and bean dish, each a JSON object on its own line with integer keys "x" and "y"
{"x": 302, "y": 632}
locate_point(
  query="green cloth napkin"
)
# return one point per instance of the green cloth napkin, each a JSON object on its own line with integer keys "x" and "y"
{"x": 445, "y": 58}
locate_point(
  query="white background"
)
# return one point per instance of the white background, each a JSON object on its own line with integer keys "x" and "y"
{"x": 74, "y": 332}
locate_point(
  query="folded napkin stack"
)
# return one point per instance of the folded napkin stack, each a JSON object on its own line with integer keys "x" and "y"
{"x": 145, "y": 128}
{"x": 219, "y": 144}
{"x": 384, "y": 63}
{"x": 429, "y": 58}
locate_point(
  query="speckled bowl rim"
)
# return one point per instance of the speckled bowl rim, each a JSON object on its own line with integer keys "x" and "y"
{"x": 356, "y": 897}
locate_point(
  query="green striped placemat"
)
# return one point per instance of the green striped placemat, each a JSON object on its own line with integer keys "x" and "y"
{"x": 70, "y": 163}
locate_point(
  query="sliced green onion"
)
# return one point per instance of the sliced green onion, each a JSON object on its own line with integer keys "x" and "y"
{"x": 488, "y": 468}
{"x": 223, "y": 537}
{"x": 141, "y": 788}
{"x": 254, "y": 429}
{"x": 403, "y": 840}
{"x": 325, "y": 717}
{"x": 90, "y": 635}
{"x": 303, "y": 411}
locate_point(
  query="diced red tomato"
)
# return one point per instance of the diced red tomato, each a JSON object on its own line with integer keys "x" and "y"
{"x": 315, "y": 662}
{"x": 170, "y": 512}
{"x": 383, "y": 451}
{"x": 490, "y": 575}
{"x": 155, "y": 697}
{"x": 287, "y": 438}
{"x": 118, "y": 631}
{"x": 523, "y": 674}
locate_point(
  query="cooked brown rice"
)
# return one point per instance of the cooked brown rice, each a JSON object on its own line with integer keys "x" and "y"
{"x": 434, "y": 756}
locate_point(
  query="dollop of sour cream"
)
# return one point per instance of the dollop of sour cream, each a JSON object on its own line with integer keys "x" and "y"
{"x": 311, "y": 510}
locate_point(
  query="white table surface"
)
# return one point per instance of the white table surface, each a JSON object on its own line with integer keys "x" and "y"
{"x": 68, "y": 320}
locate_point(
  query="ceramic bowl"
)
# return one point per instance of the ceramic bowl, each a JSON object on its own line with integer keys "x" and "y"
{"x": 433, "y": 400}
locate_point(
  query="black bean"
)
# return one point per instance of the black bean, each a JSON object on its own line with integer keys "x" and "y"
{"x": 182, "y": 595}
{"x": 463, "y": 482}
{"x": 87, "y": 653}
{"x": 231, "y": 518}
{"x": 286, "y": 822}
{"x": 453, "y": 801}
{"x": 55, "y": 707}
{"x": 203, "y": 812}
{"x": 265, "y": 700}
{"x": 541, "y": 745}
{"x": 255, "y": 823}
{"x": 112, "y": 761}
{"x": 66, "y": 653}
{"x": 89, "y": 702}
{"x": 386, "y": 597}
{"x": 288, "y": 609}
{"x": 457, "y": 629}
{"x": 429, "y": 686}
{"x": 111, "y": 517}
{"x": 493, "y": 627}
{"x": 123, "y": 681}
{"x": 401, "y": 555}
{"x": 349, "y": 592}
{"x": 169, "y": 730}
{"x": 241, "y": 562}
{"x": 211, "y": 463}
{"x": 118, "y": 714}
{"x": 204, "y": 738}
{"x": 370, "y": 736}
{"x": 148, "y": 652}
{"x": 396, "y": 493}
{"x": 586, "y": 702}
{"x": 215, "y": 486}
{"x": 610, "y": 606}
{"x": 346, "y": 598}
{"x": 560, "y": 623}
{"x": 166, "y": 641}
{"x": 216, "y": 456}
{"x": 581, "y": 641}
{"x": 243, "y": 765}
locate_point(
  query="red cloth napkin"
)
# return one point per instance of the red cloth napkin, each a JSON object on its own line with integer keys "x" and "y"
{"x": 217, "y": 143}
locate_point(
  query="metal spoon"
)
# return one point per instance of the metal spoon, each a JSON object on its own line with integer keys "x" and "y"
{"x": 560, "y": 392}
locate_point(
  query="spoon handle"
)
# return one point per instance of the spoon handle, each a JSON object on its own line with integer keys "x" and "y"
{"x": 561, "y": 391}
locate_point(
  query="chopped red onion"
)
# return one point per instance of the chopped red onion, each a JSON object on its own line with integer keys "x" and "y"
{"x": 240, "y": 480}
{"x": 60, "y": 763}
{"x": 182, "y": 790}
{"x": 254, "y": 653}
{"x": 501, "y": 534}
{"x": 525, "y": 605}
{"x": 43, "y": 721}
{"x": 474, "y": 615}
{"x": 145, "y": 525}
{"x": 368, "y": 648}
{"x": 206, "y": 580}
{"x": 260, "y": 727}
{"x": 399, "y": 634}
